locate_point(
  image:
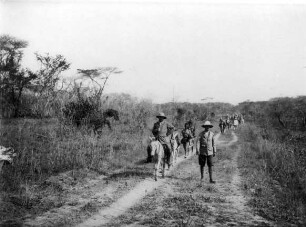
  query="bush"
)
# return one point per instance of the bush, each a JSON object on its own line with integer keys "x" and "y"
{"x": 79, "y": 111}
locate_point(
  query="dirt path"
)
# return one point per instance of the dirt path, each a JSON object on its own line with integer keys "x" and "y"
{"x": 238, "y": 213}
{"x": 182, "y": 200}
{"x": 130, "y": 199}
{"x": 178, "y": 200}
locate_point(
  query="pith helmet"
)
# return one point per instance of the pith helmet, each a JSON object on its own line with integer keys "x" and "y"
{"x": 207, "y": 124}
{"x": 161, "y": 115}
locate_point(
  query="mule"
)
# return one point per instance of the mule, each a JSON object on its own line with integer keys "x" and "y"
{"x": 158, "y": 154}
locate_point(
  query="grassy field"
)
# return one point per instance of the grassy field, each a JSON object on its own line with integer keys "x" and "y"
{"x": 53, "y": 157}
{"x": 274, "y": 175}
{"x": 48, "y": 149}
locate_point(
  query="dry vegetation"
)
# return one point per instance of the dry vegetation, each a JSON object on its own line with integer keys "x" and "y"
{"x": 53, "y": 155}
{"x": 48, "y": 144}
{"x": 274, "y": 175}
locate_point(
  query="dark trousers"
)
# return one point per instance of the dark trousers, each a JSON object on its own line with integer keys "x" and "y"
{"x": 149, "y": 158}
{"x": 167, "y": 151}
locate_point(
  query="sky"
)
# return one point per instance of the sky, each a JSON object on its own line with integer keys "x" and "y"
{"x": 186, "y": 50}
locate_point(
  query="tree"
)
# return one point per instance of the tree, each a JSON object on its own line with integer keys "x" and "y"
{"x": 87, "y": 108}
{"x": 47, "y": 76}
{"x": 99, "y": 76}
{"x": 45, "y": 85}
{"x": 13, "y": 78}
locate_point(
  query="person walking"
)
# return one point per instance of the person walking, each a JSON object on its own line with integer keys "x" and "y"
{"x": 161, "y": 131}
{"x": 187, "y": 138}
{"x": 222, "y": 125}
{"x": 206, "y": 150}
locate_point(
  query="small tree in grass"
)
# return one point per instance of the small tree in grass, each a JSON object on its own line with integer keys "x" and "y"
{"x": 13, "y": 78}
{"x": 46, "y": 81}
{"x": 99, "y": 77}
{"x": 88, "y": 107}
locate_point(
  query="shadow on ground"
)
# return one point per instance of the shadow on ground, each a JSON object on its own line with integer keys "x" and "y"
{"x": 141, "y": 162}
{"x": 140, "y": 173}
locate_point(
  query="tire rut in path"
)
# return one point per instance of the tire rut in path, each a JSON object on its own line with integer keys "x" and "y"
{"x": 239, "y": 213}
{"x": 235, "y": 209}
{"x": 130, "y": 199}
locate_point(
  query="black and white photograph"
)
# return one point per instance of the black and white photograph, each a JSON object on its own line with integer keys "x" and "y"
{"x": 152, "y": 113}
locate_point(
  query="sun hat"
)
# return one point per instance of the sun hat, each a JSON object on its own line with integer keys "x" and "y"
{"x": 161, "y": 115}
{"x": 207, "y": 124}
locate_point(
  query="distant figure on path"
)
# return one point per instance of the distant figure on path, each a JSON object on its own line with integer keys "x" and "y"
{"x": 222, "y": 125}
{"x": 161, "y": 130}
{"x": 240, "y": 119}
{"x": 187, "y": 138}
{"x": 236, "y": 122}
{"x": 206, "y": 150}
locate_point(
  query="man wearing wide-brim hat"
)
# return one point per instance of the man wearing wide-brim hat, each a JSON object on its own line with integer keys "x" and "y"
{"x": 206, "y": 150}
{"x": 161, "y": 131}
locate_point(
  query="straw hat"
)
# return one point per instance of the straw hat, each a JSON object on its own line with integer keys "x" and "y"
{"x": 207, "y": 124}
{"x": 161, "y": 115}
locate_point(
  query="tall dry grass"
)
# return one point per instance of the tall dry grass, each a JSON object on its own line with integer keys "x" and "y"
{"x": 49, "y": 150}
{"x": 275, "y": 174}
{"x": 49, "y": 146}
{"x": 46, "y": 147}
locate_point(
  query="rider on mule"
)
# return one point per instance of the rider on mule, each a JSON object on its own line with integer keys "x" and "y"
{"x": 161, "y": 131}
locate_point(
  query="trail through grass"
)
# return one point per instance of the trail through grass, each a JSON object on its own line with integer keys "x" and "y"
{"x": 182, "y": 200}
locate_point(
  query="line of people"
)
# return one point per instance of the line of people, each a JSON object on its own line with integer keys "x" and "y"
{"x": 165, "y": 133}
{"x": 229, "y": 122}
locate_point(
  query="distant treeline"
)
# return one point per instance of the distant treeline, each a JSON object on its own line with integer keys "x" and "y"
{"x": 281, "y": 113}
{"x": 43, "y": 93}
